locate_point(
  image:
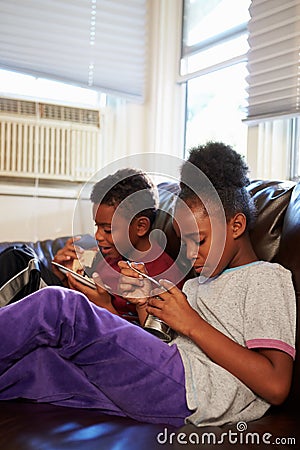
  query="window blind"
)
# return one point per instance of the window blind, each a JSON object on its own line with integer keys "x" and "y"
{"x": 273, "y": 59}
{"x": 101, "y": 44}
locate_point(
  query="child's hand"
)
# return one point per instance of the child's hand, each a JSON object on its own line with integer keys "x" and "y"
{"x": 66, "y": 255}
{"x": 99, "y": 296}
{"x": 132, "y": 285}
{"x": 172, "y": 307}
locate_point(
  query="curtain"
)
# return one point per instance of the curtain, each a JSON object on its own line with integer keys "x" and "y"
{"x": 92, "y": 43}
{"x": 273, "y": 59}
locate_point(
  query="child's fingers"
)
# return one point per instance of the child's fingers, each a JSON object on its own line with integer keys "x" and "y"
{"x": 130, "y": 280}
{"x": 70, "y": 244}
{"x": 101, "y": 286}
{"x": 139, "y": 266}
{"x": 167, "y": 288}
{"x": 76, "y": 285}
{"x": 74, "y": 239}
{"x": 156, "y": 302}
{"x": 128, "y": 268}
{"x": 129, "y": 284}
{"x": 155, "y": 306}
{"x": 168, "y": 285}
{"x": 124, "y": 287}
{"x": 78, "y": 249}
{"x": 129, "y": 273}
{"x": 64, "y": 257}
{"x": 66, "y": 252}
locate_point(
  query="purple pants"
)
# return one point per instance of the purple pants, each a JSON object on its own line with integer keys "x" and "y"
{"x": 59, "y": 348}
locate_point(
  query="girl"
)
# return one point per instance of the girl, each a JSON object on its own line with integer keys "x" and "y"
{"x": 235, "y": 323}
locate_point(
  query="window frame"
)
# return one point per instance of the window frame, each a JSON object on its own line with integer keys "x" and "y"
{"x": 214, "y": 41}
{"x": 294, "y": 172}
{"x": 291, "y": 145}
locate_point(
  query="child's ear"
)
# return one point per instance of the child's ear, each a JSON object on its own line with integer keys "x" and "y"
{"x": 143, "y": 226}
{"x": 238, "y": 225}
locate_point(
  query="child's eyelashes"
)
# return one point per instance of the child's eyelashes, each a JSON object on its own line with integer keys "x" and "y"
{"x": 195, "y": 241}
{"x": 198, "y": 242}
{"x": 104, "y": 230}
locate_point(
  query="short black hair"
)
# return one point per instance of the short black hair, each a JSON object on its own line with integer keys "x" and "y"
{"x": 228, "y": 173}
{"x": 118, "y": 187}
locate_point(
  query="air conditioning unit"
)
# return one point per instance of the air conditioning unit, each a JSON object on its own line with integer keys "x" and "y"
{"x": 47, "y": 141}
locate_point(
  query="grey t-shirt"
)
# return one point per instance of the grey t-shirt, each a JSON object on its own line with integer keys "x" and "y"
{"x": 255, "y": 306}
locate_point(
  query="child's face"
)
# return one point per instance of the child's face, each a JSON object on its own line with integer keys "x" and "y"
{"x": 113, "y": 232}
{"x": 196, "y": 233}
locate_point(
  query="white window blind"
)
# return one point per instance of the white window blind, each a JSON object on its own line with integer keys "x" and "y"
{"x": 101, "y": 44}
{"x": 273, "y": 59}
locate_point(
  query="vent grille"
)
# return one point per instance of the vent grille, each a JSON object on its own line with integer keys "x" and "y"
{"x": 49, "y": 111}
{"x": 68, "y": 114}
{"x": 11, "y": 106}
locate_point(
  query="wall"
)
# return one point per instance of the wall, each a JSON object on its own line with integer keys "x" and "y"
{"x": 22, "y": 222}
{"x": 33, "y": 212}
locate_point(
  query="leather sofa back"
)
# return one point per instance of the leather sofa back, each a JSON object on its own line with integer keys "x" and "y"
{"x": 275, "y": 237}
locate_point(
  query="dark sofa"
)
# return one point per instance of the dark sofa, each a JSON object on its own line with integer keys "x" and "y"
{"x": 276, "y": 237}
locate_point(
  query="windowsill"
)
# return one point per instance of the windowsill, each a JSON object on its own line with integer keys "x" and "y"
{"x": 30, "y": 188}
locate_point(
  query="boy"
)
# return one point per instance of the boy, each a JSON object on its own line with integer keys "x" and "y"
{"x": 124, "y": 209}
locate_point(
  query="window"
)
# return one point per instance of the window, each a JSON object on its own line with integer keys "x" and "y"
{"x": 273, "y": 85}
{"x": 295, "y": 150}
{"x": 27, "y": 86}
{"x": 215, "y": 108}
{"x": 234, "y": 57}
{"x": 213, "y": 65}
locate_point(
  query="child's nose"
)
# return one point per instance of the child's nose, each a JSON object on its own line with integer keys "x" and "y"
{"x": 99, "y": 236}
{"x": 191, "y": 252}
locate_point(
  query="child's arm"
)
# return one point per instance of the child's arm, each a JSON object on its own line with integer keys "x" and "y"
{"x": 142, "y": 313}
{"x": 267, "y": 372}
{"x": 135, "y": 288}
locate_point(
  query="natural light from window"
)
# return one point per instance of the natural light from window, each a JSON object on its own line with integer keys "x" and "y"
{"x": 216, "y": 106}
{"x": 214, "y": 65}
{"x": 13, "y": 84}
{"x": 208, "y": 18}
